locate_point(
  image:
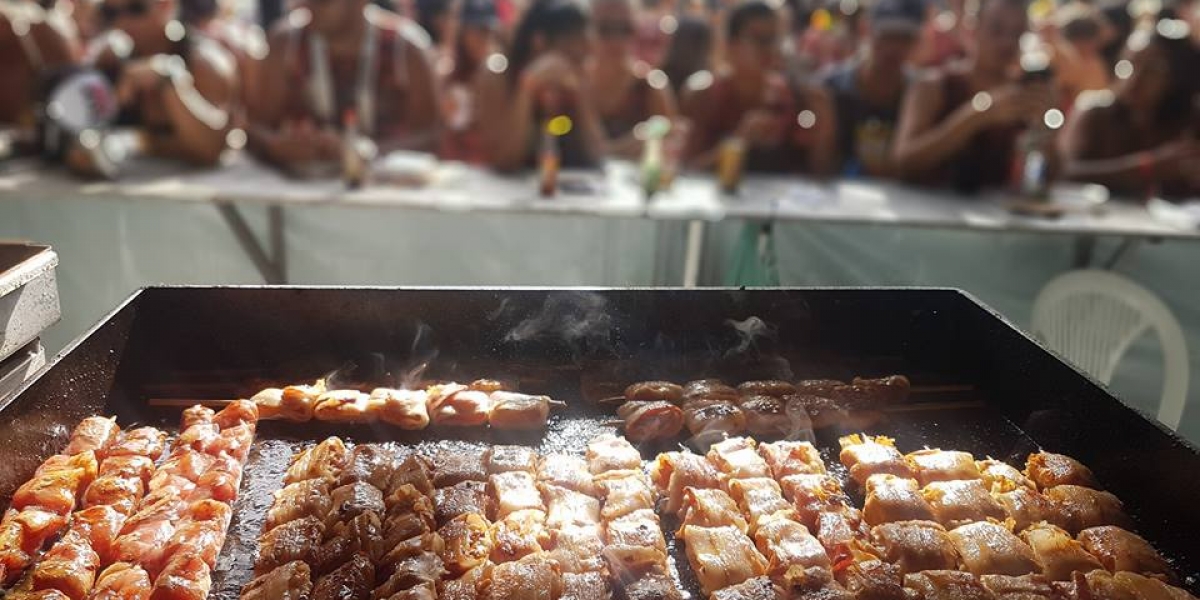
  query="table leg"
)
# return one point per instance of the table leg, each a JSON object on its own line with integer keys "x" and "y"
{"x": 1085, "y": 246}
{"x": 271, "y": 264}
{"x": 693, "y": 248}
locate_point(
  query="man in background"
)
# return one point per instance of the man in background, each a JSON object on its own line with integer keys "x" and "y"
{"x": 34, "y": 41}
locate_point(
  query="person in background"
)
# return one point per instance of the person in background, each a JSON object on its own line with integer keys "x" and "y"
{"x": 1141, "y": 137}
{"x": 544, "y": 76}
{"x": 1079, "y": 64}
{"x": 477, "y": 40}
{"x": 959, "y": 125}
{"x": 246, "y": 42}
{"x": 34, "y": 40}
{"x": 689, "y": 52}
{"x": 627, "y": 90}
{"x": 331, "y": 59}
{"x": 942, "y": 38}
{"x": 868, "y": 91}
{"x": 1120, "y": 22}
{"x": 749, "y": 101}
{"x": 439, "y": 19}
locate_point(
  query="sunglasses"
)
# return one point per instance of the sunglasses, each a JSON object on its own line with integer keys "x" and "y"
{"x": 111, "y": 12}
{"x": 614, "y": 30}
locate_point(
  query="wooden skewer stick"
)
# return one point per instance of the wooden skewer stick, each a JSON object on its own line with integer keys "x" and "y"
{"x": 223, "y": 402}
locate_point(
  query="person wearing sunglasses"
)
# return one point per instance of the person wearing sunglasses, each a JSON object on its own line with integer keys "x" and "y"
{"x": 783, "y": 129}
{"x": 34, "y": 40}
{"x": 331, "y": 59}
{"x": 542, "y": 77}
{"x": 627, "y": 91}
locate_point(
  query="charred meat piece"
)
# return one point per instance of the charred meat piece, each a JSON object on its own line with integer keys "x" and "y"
{"x": 651, "y": 391}
{"x": 462, "y": 498}
{"x": 1048, "y": 470}
{"x": 351, "y": 500}
{"x": 452, "y": 467}
{"x": 308, "y": 498}
{"x": 372, "y": 464}
{"x": 351, "y": 581}
{"x": 294, "y": 540}
{"x": 291, "y": 581}
{"x": 915, "y": 546}
{"x": 647, "y": 421}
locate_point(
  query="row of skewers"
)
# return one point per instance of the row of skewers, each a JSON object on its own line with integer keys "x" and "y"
{"x": 769, "y": 521}
{"x": 129, "y": 530}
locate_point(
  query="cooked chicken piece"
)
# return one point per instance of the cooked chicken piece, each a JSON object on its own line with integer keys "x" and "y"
{"x": 237, "y": 413}
{"x": 23, "y": 533}
{"x": 465, "y": 587}
{"x": 891, "y": 499}
{"x": 185, "y": 577}
{"x": 145, "y": 535}
{"x": 195, "y": 415}
{"x": 351, "y": 581}
{"x": 270, "y": 405}
{"x": 462, "y": 498}
{"x": 202, "y": 533}
{"x": 451, "y": 467}
{"x": 611, "y": 453}
{"x": 1001, "y": 477}
{"x": 758, "y": 588}
{"x": 991, "y": 549}
{"x": 1026, "y": 507}
{"x": 121, "y": 493}
{"x": 767, "y": 416}
{"x": 424, "y": 591}
{"x": 143, "y": 441}
{"x": 866, "y": 456}
{"x": 647, "y": 421}
{"x": 1048, "y": 470}
{"x": 566, "y": 471}
{"x": 960, "y": 502}
{"x": 915, "y": 546}
{"x": 122, "y": 581}
{"x": 234, "y": 442}
{"x": 838, "y": 528}
{"x": 299, "y": 401}
{"x": 468, "y": 543}
{"x": 513, "y": 411}
{"x": 652, "y": 586}
{"x": 294, "y": 540}
{"x": 426, "y": 542}
{"x": 182, "y": 463}
{"x": 812, "y": 494}
{"x": 774, "y": 388}
{"x": 584, "y": 586}
{"x": 323, "y": 461}
{"x": 738, "y": 458}
{"x": 405, "y": 409}
{"x": 569, "y": 507}
{"x": 134, "y": 467}
{"x": 55, "y": 489}
{"x": 710, "y": 420}
{"x": 453, "y": 405}
{"x": 414, "y": 571}
{"x": 94, "y": 433}
{"x": 791, "y": 458}
{"x": 649, "y": 391}
{"x": 1023, "y": 587}
{"x": 518, "y": 534}
{"x": 1149, "y": 588}
{"x": 623, "y": 492}
{"x": 100, "y": 526}
{"x": 721, "y": 556}
{"x": 351, "y": 500}
{"x": 198, "y": 437}
{"x": 292, "y": 581}
{"x": 1077, "y": 508}
{"x": 639, "y": 528}
{"x": 1059, "y": 554}
{"x": 711, "y": 508}
{"x": 1122, "y": 550}
{"x": 671, "y": 472}
{"x": 370, "y": 463}
{"x": 415, "y": 471}
{"x": 513, "y": 491}
{"x": 344, "y": 406}
{"x": 873, "y": 580}
{"x": 531, "y": 578}
{"x": 760, "y": 499}
{"x": 69, "y": 566}
{"x": 308, "y": 498}
{"x": 946, "y": 585}
{"x": 786, "y": 544}
{"x": 502, "y": 459}
{"x": 577, "y": 548}
{"x": 931, "y": 465}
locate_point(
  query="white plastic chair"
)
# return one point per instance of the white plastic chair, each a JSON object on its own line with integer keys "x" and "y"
{"x": 1092, "y": 317}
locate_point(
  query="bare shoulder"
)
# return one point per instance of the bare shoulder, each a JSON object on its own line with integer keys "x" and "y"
{"x": 212, "y": 60}
{"x": 406, "y": 30}
{"x": 287, "y": 28}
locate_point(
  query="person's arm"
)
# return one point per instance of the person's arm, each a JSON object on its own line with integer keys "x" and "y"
{"x": 505, "y": 120}
{"x": 660, "y": 102}
{"x": 701, "y": 150}
{"x": 822, "y": 149}
{"x": 921, "y": 143}
{"x": 1085, "y": 157}
{"x": 266, "y": 135}
{"x": 198, "y": 104}
{"x": 422, "y": 124}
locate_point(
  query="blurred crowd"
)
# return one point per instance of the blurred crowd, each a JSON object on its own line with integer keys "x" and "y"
{"x": 961, "y": 94}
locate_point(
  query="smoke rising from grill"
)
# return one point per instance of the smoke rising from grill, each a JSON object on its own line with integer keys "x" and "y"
{"x": 582, "y": 320}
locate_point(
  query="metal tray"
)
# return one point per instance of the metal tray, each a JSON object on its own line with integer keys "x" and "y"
{"x": 28, "y": 294}
{"x": 1011, "y": 395}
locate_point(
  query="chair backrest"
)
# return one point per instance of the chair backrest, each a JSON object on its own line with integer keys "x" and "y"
{"x": 1092, "y": 317}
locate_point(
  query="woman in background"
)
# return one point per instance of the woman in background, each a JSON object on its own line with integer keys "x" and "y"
{"x": 477, "y": 41}
{"x": 689, "y": 52}
{"x": 1140, "y": 137}
{"x": 542, "y": 77}
{"x": 627, "y": 91}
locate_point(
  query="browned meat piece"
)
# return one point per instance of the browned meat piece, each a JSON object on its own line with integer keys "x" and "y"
{"x": 56, "y": 485}
{"x": 774, "y": 388}
{"x": 873, "y": 580}
{"x": 1024, "y": 587}
{"x": 466, "y": 587}
{"x": 121, "y": 493}
{"x": 452, "y": 467}
{"x": 513, "y": 491}
{"x": 638, "y": 529}
{"x": 295, "y": 540}
{"x": 69, "y": 566}
{"x": 1026, "y": 507}
{"x": 714, "y": 419}
{"x": 837, "y": 529}
{"x": 1147, "y": 588}
{"x": 787, "y": 544}
{"x": 1077, "y": 508}
{"x": 738, "y": 458}
{"x": 414, "y": 571}
{"x": 648, "y": 421}
{"x": 1122, "y": 550}
{"x": 932, "y": 465}
{"x": 569, "y": 507}
{"x": 891, "y": 499}
{"x": 426, "y": 542}
{"x": 758, "y": 588}
{"x": 946, "y": 585}
{"x": 991, "y": 549}
{"x": 370, "y": 463}
{"x": 362, "y": 534}
{"x": 1048, "y": 470}
{"x": 97, "y": 434}
{"x": 344, "y": 406}
{"x": 122, "y": 581}
{"x": 468, "y": 543}
{"x": 649, "y": 391}
{"x": 414, "y": 471}
{"x": 519, "y": 534}
{"x": 531, "y": 578}
{"x": 462, "y": 498}
{"x": 185, "y": 577}
{"x": 792, "y": 458}
{"x": 566, "y": 471}
{"x": 611, "y": 453}
{"x": 812, "y": 495}
{"x": 711, "y": 508}
{"x": 291, "y": 581}
{"x": 351, "y": 500}
{"x": 916, "y": 546}
{"x": 518, "y": 412}
{"x": 406, "y": 409}
{"x": 672, "y": 472}
{"x": 577, "y": 548}
{"x": 323, "y": 461}
{"x": 308, "y": 498}
{"x": 143, "y": 441}
{"x": 1000, "y": 477}
{"x": 424, "y": 591}
{"x": 721, "y": 556}
{"x": 767, "y": 416}
{"x": 502, "y": 459}
{"x": 351, "y": 581}
{"x": 405, "y": 525}
{"x": 957, "y": 503}
{"x": 1060, "y": 555}
{"x": 454, "y": 405}
{"x": 760, "y": 499}
{"x": 408, "y": 500}
{"x": 865, "y": 456}
{"x": 652, "y": 586}
{"x": 585, "y": 586}
{"x": 709, "y": 389}
{"x": 100, "y": 525}
{"x": 624, "y": 492}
